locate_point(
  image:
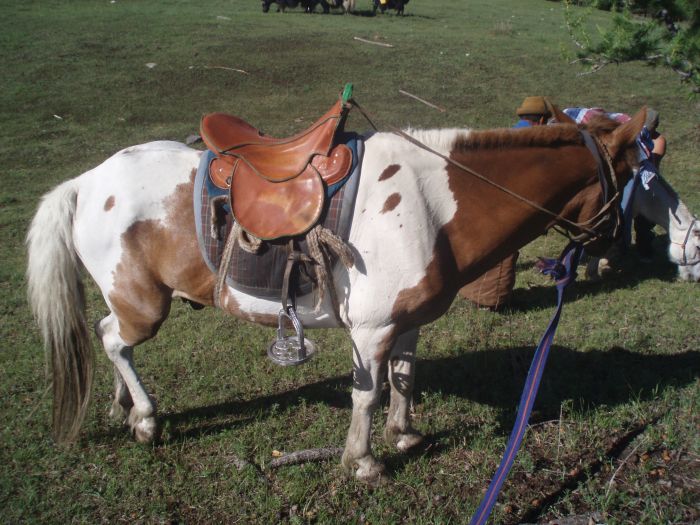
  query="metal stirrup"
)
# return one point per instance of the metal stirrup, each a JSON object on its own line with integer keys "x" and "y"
{"x": 294, "y": 349}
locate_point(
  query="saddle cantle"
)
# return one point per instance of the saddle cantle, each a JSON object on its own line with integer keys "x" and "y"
{"x": 277, "y": 187}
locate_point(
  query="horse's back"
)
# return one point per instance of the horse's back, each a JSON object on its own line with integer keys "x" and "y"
{"x": 145, "y": 174}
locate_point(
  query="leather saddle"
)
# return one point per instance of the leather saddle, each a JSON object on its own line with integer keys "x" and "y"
{"x": 277, "y": 186}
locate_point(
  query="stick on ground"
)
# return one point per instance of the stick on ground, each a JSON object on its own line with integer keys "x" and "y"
{"x": 372, "y": 42}
{"x": 304, "y": 456}
{"x": 430, "y": 104}
{"x": 227, "y": 69}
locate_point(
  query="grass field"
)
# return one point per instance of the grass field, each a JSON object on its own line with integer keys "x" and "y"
{"x": 615, "y": 432}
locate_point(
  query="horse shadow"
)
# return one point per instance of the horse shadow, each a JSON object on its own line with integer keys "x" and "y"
{"x": 492, "y": 377}
{"x": 630, "y": 274}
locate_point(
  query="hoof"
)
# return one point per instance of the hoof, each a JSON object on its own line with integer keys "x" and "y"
{"x": 372, "y": 475}
{"x": 408, "y": 441}
{"x": 404, "y": 441}
{"x": 143, "y": 429}
{"x": 367, "y": 470}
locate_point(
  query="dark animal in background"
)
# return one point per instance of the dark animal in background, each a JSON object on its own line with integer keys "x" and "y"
{"x": 309, "y": 5}
{"x": 389, "y": 4}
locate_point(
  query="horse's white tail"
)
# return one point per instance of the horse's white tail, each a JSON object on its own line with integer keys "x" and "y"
{"x": 56, "y": 296}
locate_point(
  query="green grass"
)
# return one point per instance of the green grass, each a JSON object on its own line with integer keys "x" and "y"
{"x": 615, "y": 429}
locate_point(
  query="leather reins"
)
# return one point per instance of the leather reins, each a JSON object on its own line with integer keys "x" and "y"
{"x": 590, "y": 229}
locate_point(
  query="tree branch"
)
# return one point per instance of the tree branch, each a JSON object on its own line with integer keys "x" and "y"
{"x": 304, "y": 456}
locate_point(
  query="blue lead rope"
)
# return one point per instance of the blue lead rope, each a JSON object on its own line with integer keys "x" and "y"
{"x": 563, "y": 270}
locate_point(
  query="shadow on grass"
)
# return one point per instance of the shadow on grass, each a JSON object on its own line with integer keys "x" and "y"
{"x": 333, "y": 392}
{"x": 632, "y": 272}
{"x": 491, "y": 377}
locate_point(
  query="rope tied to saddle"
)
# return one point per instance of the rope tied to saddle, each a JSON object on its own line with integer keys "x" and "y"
{"x": 325, "y": 248}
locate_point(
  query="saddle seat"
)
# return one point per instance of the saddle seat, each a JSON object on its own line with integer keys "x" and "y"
{"x": 274, "y": 159}
{"x": 277, "y": 187}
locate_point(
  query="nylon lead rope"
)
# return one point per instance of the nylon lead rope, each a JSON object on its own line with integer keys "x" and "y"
{"x": 564, "y": 271}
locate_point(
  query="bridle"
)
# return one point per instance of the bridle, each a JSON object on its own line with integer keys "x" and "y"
{"x": 685, "y": 243}
{"x": 606, "y": 224}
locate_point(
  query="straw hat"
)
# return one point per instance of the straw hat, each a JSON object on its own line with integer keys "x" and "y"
{"x": 534, "y": 106}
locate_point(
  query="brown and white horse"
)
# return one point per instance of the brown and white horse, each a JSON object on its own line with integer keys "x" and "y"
{"x": 421, "y": 229}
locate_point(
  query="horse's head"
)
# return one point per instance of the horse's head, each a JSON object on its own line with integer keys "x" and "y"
{"x": 616, "y": 147}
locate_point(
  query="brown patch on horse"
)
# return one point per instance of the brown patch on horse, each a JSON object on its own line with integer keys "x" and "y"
{"x": 427, "y": 300}
{"x": 391, "y": 202}
{"x": 389, "y": 172}
{"x": 161, "y": 259}
{"x": 109, "y": 203}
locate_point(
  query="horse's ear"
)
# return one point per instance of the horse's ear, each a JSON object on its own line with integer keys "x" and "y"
{"x": 627, "y": 133}
{"x": 561, "y": 117}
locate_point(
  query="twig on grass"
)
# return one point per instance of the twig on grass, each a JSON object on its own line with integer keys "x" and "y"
{"x": 430, "y": 104}
{"x": 372, "y": 42}
{"x": 304, "y": 456}
{"x": 619, "y": 468}
{"x": 228, "y": 69}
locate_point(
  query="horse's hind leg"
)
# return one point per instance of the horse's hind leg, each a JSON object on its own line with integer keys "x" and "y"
{"x": 398, "y": 430}
{"x": 122, "y": 403}
{"x": 131, "y": 404}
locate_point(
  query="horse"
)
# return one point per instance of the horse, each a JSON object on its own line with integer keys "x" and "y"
{"x": 424, "y": 224}
{"x": 389, "y": 4}
{"x": 661, "y": 205}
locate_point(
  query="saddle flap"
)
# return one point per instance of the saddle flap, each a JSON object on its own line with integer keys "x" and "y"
{"x": 270, "y": 158}
{"x": 270, "y": 210}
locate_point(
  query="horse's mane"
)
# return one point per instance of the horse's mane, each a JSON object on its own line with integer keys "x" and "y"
{"x": 536, "y": 136}
{"x": 448, "y": 139}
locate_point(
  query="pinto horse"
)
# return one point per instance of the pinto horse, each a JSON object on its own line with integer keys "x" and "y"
{"x": 661, "y": 205}
{"x": 423, "y": 226}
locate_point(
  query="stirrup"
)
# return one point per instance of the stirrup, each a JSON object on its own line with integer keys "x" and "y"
{"x": 293, "y": 349}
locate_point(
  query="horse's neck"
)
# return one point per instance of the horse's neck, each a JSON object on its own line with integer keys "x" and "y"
{"x": 493, "y": 222}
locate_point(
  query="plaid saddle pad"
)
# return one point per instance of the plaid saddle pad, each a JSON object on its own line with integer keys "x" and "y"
{"x": 262, "y": 274}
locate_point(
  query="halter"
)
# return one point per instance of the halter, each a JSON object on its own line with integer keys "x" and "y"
{"x": 685, "y": 243}
{"x": 604, "y": 224}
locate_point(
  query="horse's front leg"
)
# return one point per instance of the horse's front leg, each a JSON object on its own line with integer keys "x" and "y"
{"x": 370, "y": 353}
{"x": 398, "y": 430}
